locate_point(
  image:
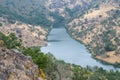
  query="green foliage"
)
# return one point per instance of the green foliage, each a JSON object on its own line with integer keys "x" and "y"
{"x": 59, "y": 20}
{"x": 75, "y": 13}
{"x": 5, "y": 12}
{"x": 49, "y": 64}
{"x": 44, "y": 61}
{"x": 38, "y": 19}
{"x": 109, "y": 46}
{"x": 94, "y": 73}
{"x": 97, "y": 6}
{"x": 117, "y": 40}
{"x": 98, "y": 50}
{"x": 0, "y": 24}
{"x": 10, "y": 41}
{"x": 106, "y": 37}
{"x": 117, "y": 14}
{"x": 1, "y": 42}
{"x": 39, "y": 58}
{"x": 70, "y": 11}
{"x": 81, "y": 73}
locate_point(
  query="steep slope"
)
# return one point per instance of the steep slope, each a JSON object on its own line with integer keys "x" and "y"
{"x": 30, "y": 11}
{"x": 95, "y": 23}
{"x": 99, "y": 29}
{"x": 28, "y": 19}
{"x": 29, "y": 34}
{"x": 15, "y": 66}
{"x": 68, "y": 8}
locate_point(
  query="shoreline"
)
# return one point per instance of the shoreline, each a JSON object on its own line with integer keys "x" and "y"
{"x": 116, "y": 65}
{"x": 31, "y": 35}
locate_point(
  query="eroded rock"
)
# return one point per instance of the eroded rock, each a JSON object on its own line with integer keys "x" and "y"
{"x": 15, "y": 66}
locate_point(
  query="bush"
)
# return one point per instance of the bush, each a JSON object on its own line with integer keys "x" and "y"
{"x": 1, "y": 42}
{"x": 0, "y": 24}
{"x": 110, "y": 47}
{"x": 42, "y": 74}
{"x": 42, "y": 60}
{"x": 94, "y": 73}
{"x": 10, "y": 41}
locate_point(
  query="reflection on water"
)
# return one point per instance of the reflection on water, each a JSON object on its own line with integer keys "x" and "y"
{"x": 53, "y": 40}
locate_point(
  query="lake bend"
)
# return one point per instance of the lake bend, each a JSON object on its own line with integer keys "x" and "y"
{"x": 63, "y": 47}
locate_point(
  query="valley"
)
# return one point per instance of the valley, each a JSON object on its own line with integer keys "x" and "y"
{"x": 94, "y": 27}
{"x": 60, "y": 40}
{"x": 63, "y": 47}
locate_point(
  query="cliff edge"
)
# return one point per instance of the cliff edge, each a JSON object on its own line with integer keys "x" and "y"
{"x": 15, "y": 66}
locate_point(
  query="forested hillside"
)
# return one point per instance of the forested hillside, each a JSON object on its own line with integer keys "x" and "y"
{"x": 29, "y": 11}
{"x": 28, "y": 19}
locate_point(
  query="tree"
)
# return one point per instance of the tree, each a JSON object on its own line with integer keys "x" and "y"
{"x": 42, "y": 60}
{"x": 10, "y": 41}
{"x": 0, "y": 24}
{"x": 109, "y": 46}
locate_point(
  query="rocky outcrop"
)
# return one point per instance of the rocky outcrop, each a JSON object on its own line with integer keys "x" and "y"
{"x": 15, "y": 66}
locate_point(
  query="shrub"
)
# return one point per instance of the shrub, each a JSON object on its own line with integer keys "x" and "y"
{"x": 1, "y": 42}
{"x": 42, "y": 60}
{"x": 0, "y": 24}
{"x": 110, "y": 47}
{"x": 42, "y": 74}
{"x": 10, "y": 41}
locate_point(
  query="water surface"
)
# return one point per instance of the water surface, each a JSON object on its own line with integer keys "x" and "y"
{"x": 63, "y": 47}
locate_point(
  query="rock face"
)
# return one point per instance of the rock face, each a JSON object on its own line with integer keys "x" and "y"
{"x": 15, "y": 66}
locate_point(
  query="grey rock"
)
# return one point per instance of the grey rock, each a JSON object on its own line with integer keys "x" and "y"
{"x": 15, "y": 66}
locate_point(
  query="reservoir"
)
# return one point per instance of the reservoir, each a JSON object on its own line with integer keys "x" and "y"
{"x": 63, "y": 47}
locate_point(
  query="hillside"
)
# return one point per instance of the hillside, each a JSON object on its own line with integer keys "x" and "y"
{"x": 24, "y": 26}
{"x": 16, "y": 66}
{"x": 92, "y": 22}
{"x": 28, "y": 11}
{"x": 29, "y": 34}
{"x": 99, "y": 29}
{"x": 68, "y": 8}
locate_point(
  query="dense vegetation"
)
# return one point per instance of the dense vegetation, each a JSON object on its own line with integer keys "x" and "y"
{"x": 0, "y": 24}
{"x": 46, "y": 62}
{"x": 10, "y": 41}
{"x": 94, "y": 73}
{"x": 39, "y": 18}
{"x": 59, "y": 21}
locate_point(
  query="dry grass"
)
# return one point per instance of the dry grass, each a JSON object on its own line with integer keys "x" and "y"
{"x": 112, "y": 58}
{"x": 101, "y": 11}
{"x": 30, "y": 35}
